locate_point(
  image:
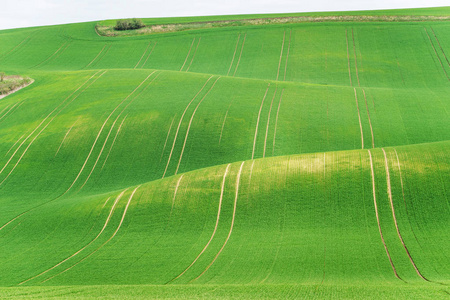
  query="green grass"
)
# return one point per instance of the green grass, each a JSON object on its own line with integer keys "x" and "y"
{"x": 317, "y": 141}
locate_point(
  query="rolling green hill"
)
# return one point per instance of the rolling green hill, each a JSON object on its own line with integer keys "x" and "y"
{"x": 300, "y": 160}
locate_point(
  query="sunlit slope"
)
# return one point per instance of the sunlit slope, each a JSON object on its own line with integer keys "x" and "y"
{"x": 308, "y": 219}
{"x": 77, "y": 132}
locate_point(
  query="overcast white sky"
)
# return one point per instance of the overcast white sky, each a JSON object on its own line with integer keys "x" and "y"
{"x": 25, "y": 13}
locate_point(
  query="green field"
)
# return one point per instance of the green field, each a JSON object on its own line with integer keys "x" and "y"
{"x": 302, "y": 160}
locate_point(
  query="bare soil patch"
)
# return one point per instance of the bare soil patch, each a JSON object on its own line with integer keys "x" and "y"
{"x": 12, "y": 84}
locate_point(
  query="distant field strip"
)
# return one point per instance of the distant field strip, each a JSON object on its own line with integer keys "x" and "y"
{"x": 276, "y": 122}
{"x": 359, "y": 118}
{"x": 378, "y": 218}
{"x": 84, "y": 247}
{"x": 106, "y": 242}
{"x": 179, "y": 124}
{"x": 190, "y": 122}
{"x": 257, "y": 121}
{"x": 437, "y": 55}
{"x": 268, "y": 122}
{"x": 238, "y": 178}
{"x": 389, "y": 191}
{"x": 65, "y": 136}
{"x": 222, "y": 188}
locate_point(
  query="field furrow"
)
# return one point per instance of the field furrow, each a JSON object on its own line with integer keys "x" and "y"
{"x": 440, "y": 46}
{"x": 234, "y": 54}
{"x": 48, "y": 116}
{"x": 257, "y": 121}
{"x": 143, "y": 54}
{"x": 356, "y": 61}
{"x": 276, "y": 123}
{"x": 281, "y": 55}
{"x": 359, "y": 118}
{"x": 179, "y": 124}
{"x": 92, "y": 61}
{"x": 223, "y": 125}
{"x": 54, "y": 55}
{"x": 167, "y": 137}
{"x": 187, "y": 55}
{"x": 114, "y": 141}
{"x": 368, "y": 115}
{"x": 348, "y": 58}
{"x": 190, "y": 123}
{"x": 101, "y": 130}
{"x": 238, "y": 178}
{"x": 268, "y": 122}
{"x": 106, "y": 242}
{"x": 9, "y": 150}
{"x": 378, "y": 218}
{"x": 287, "y": 55}
{"x": 437, "y": 55}
{"x": 149, "y": 54}
{"x": 7, "y": 113}
{"x": 222, "y": 188}
{"x": 16, "y": 47}
{"x": 240, "y": 55}
{"x": 65, "y": 136}
{"x": 84, "y": 247}
{"x": 389, "y": 191}
{"x": 193, "y": 56}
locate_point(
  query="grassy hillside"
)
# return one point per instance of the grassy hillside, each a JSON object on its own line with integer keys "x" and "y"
{"x": 296, "y": 160}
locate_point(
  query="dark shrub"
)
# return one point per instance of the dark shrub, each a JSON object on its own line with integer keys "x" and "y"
{"x": 129, "y": 24}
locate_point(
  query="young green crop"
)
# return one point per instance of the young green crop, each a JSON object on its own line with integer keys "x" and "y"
{"x": 277, "y": 161}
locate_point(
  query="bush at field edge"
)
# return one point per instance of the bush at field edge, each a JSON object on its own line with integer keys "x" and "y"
{"x": 129, "y": 24}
